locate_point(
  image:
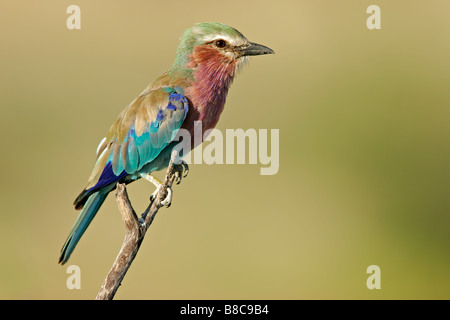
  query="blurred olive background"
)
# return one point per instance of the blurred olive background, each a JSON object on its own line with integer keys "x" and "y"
{"x": 364, "y": 152}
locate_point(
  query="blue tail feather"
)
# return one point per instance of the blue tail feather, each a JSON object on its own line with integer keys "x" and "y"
{"x": 88, "y": 212}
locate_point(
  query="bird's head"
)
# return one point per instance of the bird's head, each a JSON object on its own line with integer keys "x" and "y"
{"x": 215, "y": 45}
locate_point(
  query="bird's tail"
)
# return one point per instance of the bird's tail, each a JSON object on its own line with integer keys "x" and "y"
{"x": 88, "y": 212}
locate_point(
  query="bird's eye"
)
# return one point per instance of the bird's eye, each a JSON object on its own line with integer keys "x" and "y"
{"x": 220, "y": 43}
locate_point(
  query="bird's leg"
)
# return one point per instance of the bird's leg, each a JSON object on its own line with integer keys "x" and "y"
{"x": 181, "y": 170}
{"x": 168, "y": 200}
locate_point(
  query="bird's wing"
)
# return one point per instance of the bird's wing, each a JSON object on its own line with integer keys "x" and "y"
{"x": 140, "y": 133}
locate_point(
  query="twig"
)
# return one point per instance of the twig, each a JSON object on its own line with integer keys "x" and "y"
{"x": 135, "y": 230}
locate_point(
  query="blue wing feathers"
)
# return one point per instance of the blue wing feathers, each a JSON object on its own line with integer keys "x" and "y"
{"x": 133, "y": 156}
{"x": 136, "y": 151}
{"x": 107, "y": 177}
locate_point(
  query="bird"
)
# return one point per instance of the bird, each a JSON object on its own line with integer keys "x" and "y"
{"x": 145, "y": 133}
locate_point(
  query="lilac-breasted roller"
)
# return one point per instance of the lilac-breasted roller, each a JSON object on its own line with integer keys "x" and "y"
{"x": 141, "y": 139}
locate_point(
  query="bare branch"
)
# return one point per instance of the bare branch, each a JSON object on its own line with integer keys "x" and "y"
{"x": 135, "y": 230}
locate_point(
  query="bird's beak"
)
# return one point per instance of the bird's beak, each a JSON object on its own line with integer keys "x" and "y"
{"x": 253, "y": 49}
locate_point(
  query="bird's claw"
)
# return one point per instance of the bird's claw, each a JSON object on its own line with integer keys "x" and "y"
{"x": 181, "y": 170}
{"x": 167, "y": 201}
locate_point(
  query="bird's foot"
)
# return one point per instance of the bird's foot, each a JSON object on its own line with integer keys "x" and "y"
{"x": 167, "y": 201}
{"x": 181, "y": 170}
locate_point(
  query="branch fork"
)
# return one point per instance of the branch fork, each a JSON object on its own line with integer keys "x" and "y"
{"x": 135, "y": 230}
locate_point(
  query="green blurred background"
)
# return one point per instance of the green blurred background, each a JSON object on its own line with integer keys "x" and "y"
{"x": 364, "y": 152}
